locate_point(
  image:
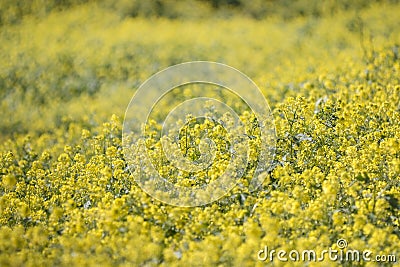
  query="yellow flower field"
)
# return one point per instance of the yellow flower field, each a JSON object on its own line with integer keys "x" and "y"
{"x": 67, "y": 192}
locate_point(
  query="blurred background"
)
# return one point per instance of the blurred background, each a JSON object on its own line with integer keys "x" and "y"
{"x": 13, "y": 11}
{"x": 80, "y": 61}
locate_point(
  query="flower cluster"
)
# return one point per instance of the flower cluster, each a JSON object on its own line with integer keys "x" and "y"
{"x": 69, "y": 197}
